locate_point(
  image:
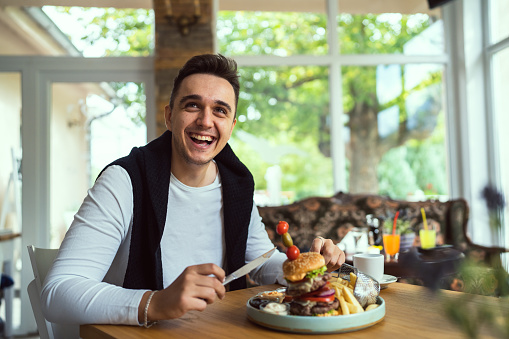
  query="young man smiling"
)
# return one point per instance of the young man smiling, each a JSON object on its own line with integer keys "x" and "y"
{"x": 170, "y": 218}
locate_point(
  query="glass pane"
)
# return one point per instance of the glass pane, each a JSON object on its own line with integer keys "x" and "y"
{"x": 10, "y": 188}
{"x": 98, "y": 32}
{"x": 271, "y": 33}
{"x": 10, "y": 106}
{"x": 499, "y": 10}
{"x": 395, "y": 130}
{"x": 390, "y": 33}
{"x": 500, "y": 104}
{"x": 283, "y": 132}
{"x": 92, "y": 124}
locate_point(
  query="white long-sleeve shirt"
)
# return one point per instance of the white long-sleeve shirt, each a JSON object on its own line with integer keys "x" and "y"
{"x": 84, "y": 284}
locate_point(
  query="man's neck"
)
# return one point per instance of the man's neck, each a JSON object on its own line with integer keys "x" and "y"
{"x": 194, "y": 175}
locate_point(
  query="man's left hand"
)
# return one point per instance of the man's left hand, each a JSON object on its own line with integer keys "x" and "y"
{"x": 333, "y": 255}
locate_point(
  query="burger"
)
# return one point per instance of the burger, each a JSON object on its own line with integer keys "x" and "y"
{"x": 308, "y": 288}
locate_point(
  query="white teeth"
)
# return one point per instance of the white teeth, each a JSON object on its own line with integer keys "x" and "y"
{"x": 201, "y": 137}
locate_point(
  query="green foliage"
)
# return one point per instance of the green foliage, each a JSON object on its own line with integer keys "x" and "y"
{"x": 120, "y": 32}
{"x": 132, "y": 96}
{"x": 260, "y": 33}
{"x": 395, "y": 176}
{"x": 469, "y": 315}
{"x": 484, "y": 278}
{"x": 378, "y": 34}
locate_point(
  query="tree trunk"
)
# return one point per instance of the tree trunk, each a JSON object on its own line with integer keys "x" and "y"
{"x": 363, "y": 152}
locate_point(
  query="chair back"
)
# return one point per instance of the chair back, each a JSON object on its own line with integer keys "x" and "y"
{"x": 42, "y": 260}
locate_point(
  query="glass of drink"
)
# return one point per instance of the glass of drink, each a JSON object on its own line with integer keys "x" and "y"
{"x": 428, "y": 238}
{"x": 391, "y": 246}
{"x": 357, "y": 234}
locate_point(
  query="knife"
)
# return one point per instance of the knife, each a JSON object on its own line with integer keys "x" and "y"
{"x": 249, "y": 267}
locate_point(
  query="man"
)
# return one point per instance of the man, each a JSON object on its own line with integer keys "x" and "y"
{"x": 169, "y": 218}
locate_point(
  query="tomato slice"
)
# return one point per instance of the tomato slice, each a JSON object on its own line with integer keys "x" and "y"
{"x": 328, "y": 299}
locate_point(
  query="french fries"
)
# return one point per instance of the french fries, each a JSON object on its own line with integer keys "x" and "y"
{"x": 343, "y": 290}
{"x": 353, "y": 279}
{"x": 344, "y": 305}
{"x": 371, "y": 307}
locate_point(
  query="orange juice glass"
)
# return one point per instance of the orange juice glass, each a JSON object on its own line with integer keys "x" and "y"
{"x": 391, "y": 245}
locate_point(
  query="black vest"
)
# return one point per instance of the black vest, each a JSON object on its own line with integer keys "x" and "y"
{"x": 149, "y": 168}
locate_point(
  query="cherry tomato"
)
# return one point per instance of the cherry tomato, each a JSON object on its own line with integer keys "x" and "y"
{"x": 287, "y": 239}
{"x": 292, "y": 252}
{"x": 282, "y": 227}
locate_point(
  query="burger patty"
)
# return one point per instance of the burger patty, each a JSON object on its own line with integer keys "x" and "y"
{"x": 311, "y": 308}
{"x": 307, "y": 285}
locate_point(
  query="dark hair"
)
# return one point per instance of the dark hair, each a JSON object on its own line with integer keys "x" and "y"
{"x": 214, "y": 64}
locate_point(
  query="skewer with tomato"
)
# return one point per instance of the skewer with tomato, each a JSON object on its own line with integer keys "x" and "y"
{"x": 292, "y": 251}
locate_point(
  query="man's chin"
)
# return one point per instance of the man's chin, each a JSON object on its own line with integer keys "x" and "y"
{"x": 198, "y": 161}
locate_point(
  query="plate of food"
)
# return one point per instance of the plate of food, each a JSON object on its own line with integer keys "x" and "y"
{"x": 314, "y": 302}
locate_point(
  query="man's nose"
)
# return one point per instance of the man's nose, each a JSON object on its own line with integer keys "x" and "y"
{"x": 205, "y": 117}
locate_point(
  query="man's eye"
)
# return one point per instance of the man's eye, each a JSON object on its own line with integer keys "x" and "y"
{"x": 191, "y": 105}
{"x": 221, "y": 110}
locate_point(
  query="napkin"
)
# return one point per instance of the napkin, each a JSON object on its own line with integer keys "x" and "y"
{"x": 366, "y": 288}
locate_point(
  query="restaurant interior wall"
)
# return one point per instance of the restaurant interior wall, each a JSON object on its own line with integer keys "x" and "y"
{"x": 463, "y": 152}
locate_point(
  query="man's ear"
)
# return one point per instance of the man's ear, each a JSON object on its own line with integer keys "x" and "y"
{"x": 233, "y": 125}
{"x": 167, "y": 116}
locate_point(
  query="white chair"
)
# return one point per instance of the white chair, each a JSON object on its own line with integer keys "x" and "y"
{"x": 42, "y": 259}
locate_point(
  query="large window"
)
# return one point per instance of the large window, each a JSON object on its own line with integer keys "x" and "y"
{"x": 394, "y": 131}
{"x": 391, "y": 109}
{"x": 282, "y": 133}
{"x": 92, "y": 124}
{"x": 497, "y": 51}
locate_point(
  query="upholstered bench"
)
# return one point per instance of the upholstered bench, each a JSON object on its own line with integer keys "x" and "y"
{"x": 333, "y": 217}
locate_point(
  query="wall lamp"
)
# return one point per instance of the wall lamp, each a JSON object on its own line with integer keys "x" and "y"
{"x": 183, "y": 21}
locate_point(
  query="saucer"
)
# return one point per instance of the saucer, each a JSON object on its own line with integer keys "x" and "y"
{"x": 386, "y": 280}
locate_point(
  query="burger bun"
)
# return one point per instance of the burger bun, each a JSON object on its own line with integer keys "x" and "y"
{"x": 295, "y": 270}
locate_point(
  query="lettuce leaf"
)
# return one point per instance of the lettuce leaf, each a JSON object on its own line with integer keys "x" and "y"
{"x": 314, "y": 273}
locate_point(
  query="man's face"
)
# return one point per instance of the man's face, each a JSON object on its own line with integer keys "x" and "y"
{"x": 202, "y": 118}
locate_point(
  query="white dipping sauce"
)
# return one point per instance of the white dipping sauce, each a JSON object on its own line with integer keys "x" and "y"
{"x": 276, "y": 308}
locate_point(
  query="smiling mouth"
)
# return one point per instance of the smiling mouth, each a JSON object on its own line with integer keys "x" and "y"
{"x": 202, "y": 139}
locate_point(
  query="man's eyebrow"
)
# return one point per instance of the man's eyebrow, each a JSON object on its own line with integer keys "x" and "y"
{"x": 190, "y": 97}
{"x": 222, "y": 103}
{"x": 199, "y": 97}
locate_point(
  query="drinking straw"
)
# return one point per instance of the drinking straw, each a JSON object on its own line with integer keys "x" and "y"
{"x": 424, "y": 219}
{"x": 394, "y": 225}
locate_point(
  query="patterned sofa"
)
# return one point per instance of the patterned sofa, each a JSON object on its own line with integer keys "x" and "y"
{"x": 333, "y": 217}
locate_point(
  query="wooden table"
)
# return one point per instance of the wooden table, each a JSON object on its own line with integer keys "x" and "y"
{"x": 411, "y": 312}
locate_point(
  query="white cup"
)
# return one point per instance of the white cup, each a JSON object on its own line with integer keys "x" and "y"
{"x": 370, "y": 264}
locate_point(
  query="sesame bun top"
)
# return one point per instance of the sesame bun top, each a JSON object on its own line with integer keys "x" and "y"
{"x": 295, "y": 270}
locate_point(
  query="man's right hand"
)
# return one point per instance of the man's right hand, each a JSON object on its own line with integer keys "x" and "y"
{"x": 196, "y": 287}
